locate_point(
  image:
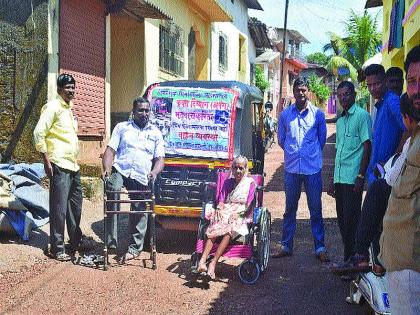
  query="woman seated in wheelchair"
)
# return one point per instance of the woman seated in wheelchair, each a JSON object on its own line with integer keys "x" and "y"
{"x": 230, "y": 216}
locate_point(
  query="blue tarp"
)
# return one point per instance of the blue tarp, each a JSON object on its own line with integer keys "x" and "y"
{"x": 26, "y": 180}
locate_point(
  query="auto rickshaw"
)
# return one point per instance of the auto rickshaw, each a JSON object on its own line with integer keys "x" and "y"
{"x": 205, "y": 124}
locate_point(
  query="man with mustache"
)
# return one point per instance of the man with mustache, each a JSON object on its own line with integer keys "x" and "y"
{"x": 400, "y": 239}
{"x": 135, "y": 146}
{"x": 55, "y": 136}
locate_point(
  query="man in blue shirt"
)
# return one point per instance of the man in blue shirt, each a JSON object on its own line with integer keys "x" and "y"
{"x": 302, "y": 134}
{"x": 389, "y": 133}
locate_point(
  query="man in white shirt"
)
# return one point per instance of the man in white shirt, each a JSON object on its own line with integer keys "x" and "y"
{"x": 135, "y": 153}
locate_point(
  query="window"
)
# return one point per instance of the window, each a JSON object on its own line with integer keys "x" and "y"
{"x": 171, "y": 48}
{"x": 223, "y": 47}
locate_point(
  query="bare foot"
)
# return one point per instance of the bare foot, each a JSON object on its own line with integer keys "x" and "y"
{"x": 201, "y": 267}
{"x": 211, "y": 271}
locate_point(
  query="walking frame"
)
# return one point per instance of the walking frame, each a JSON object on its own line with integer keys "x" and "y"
{"x": 149, "y": 211}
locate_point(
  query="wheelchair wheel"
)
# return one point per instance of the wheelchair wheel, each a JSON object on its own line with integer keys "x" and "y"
{"x": 263, "y": 239}
{"x": 249, "y": 271}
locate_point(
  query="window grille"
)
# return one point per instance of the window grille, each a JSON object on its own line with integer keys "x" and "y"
{"x": 223, "y": 54}
{"x": 171, "y": 48}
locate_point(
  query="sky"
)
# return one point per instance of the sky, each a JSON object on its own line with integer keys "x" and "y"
{"x": 313, "y": 18}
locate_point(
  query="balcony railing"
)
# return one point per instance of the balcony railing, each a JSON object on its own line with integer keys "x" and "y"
{"x": 296, "y": 54}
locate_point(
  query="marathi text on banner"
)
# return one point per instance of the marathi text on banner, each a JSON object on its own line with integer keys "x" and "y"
{"x": 195, "y": 122}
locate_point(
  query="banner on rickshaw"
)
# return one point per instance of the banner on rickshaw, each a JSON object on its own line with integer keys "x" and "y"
{"x": 195, "y": 122}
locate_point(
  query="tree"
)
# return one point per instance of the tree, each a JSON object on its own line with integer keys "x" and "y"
{"x": 319, "y": 89}
{"x": 362, "y": 40}
{"x": 260, "y": 81}
{"x": 318, "y": 58}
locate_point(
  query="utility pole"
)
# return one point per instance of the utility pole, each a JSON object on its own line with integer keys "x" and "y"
{"x": 284, "y": 50}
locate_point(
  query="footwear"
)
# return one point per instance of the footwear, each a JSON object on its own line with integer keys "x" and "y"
{"x": 62, "y": 257}
{"x": 127, "y": 256}
{"x": 356, "y": 263}
{"x": 279, "y": 252}
{"x": 323, "y": 257}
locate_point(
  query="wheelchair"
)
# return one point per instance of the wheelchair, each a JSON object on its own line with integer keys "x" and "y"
{"x": 254, "y": 248}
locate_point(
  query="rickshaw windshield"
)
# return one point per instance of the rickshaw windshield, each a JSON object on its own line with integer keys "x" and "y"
{"x": 195, "y": 122}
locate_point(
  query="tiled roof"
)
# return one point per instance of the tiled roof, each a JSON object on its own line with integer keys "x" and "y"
{"x": 258, "y": 32}
{"x": 253, "y": 4}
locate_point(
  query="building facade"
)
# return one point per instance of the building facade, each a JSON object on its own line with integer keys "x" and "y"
{"x": 401, "y": 29}
{"x": 233, "y": 52}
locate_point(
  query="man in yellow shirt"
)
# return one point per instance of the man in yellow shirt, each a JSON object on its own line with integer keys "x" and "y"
{"x": 55, "y": 137}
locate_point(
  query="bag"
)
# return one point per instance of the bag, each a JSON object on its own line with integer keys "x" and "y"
{"x": 7, "y": 199}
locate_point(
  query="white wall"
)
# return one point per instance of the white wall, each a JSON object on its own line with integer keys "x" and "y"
{"x": 239, "y": 11}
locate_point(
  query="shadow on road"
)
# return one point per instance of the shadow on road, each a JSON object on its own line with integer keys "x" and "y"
{"x": 37, "y": 238}
{"x": 167, "y": 241}
{"x": 298, "y": 284}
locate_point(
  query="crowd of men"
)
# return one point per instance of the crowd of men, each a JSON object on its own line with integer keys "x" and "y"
{"x": 382, "y": 150}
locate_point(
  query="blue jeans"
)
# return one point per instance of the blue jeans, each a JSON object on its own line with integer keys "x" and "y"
{"x": 313, "y": 188}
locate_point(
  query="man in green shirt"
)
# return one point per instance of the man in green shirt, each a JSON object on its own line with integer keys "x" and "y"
{"x": 353, "y": 147}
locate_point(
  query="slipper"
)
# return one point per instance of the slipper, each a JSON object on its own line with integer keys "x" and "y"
{"x": 62, "y": 257}
{"x": 127, "y": 256}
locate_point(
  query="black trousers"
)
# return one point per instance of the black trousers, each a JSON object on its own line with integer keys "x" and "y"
{"x": 66, "y": 199}
{"x": 370, "y": 226}
{"x": 348, "y": 206}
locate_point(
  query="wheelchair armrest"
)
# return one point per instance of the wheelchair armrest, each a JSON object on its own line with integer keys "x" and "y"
{"x": 259, "y": 188}
{"x": 209, "y": 192}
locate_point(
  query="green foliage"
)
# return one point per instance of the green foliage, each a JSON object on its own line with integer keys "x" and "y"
{"x": 338, "y": 62}
{"x": 260, "y": 81}
{"x": 363, "y": 97}
{"x": 319, "y": 89}
{"x": 318, "y": 58}
{"x": 361, "y": 41}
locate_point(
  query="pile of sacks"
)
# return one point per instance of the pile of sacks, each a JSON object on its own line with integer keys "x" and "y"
{"x": 23, "y": 201}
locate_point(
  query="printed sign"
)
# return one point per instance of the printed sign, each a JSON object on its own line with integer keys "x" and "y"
{"x": 195, "y": 122}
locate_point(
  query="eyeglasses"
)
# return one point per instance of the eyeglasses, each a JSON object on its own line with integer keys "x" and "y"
{"x": 241, "y": 168}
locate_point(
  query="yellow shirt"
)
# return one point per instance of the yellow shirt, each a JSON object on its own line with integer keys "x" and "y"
{"x": 56, "y": 134}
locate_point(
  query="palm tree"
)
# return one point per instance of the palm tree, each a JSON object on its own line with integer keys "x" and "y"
{"x": 361, "y": 42}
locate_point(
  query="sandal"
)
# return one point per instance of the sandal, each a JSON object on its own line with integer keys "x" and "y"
{"x": 62, "y": 257}
{"x": 356, "y": 263}
{"x": 126, "y": 257}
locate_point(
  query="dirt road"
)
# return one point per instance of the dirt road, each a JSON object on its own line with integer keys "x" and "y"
{"x": 32, "y": 283}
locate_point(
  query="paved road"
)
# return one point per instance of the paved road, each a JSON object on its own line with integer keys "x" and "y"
{"x": 292, "y": 285}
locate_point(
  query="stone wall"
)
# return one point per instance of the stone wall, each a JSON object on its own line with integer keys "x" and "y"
{"x": 23, "y": 76}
